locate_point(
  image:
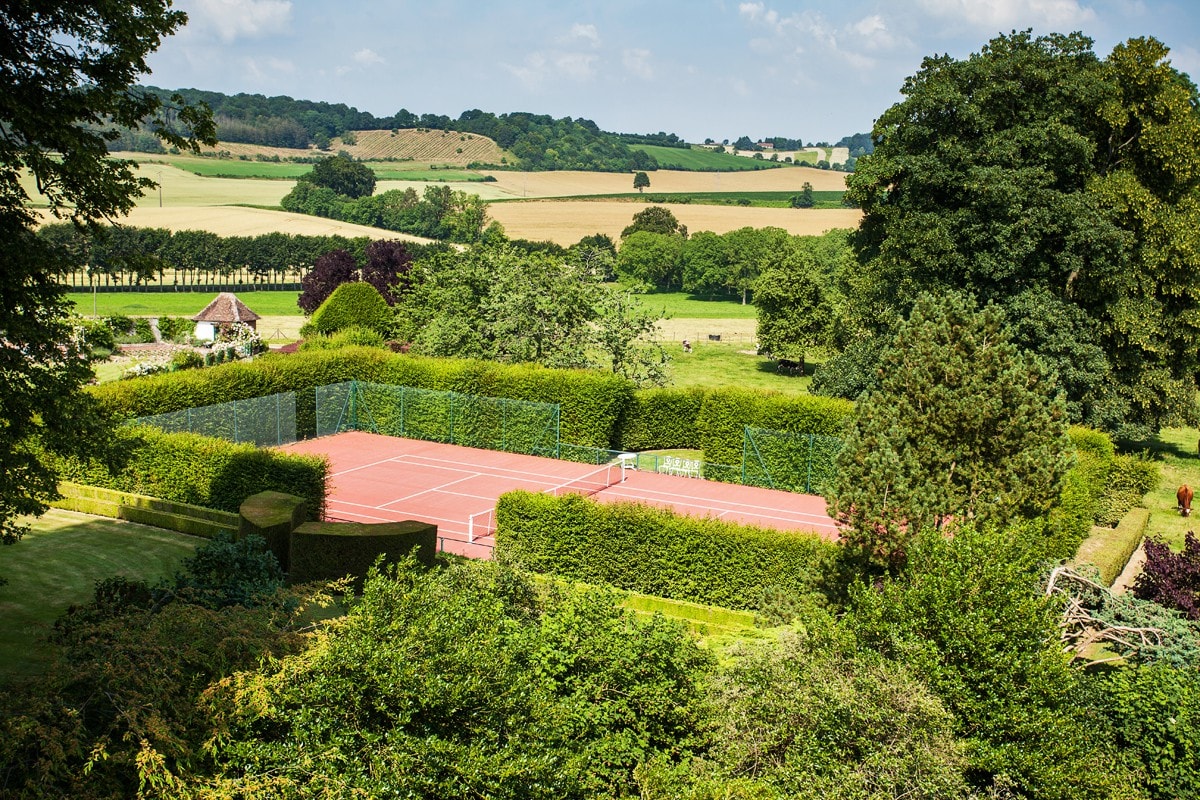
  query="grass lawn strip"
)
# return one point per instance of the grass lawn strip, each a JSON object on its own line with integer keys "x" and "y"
{"x": 58, "y": 563}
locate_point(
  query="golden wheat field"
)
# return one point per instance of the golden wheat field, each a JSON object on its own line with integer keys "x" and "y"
{"x": 574, "y": 184}
{"x": 567, "y": 221}
{"x": 234, "y": 221}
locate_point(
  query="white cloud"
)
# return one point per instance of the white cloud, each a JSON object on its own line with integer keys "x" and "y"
{"x": 637, "y": 62}
{"x": 565, "y": 63}
{"x": 587, "y": 33}
{"x": 229, "y": 20}
{"x": 577, "y": 66}
{"x": 996, "y": 14}
{"x": 368, "y": 57}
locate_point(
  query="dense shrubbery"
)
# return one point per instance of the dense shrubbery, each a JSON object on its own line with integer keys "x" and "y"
{"x": 1172, "y": 579}
{"x": 653, "y": 551}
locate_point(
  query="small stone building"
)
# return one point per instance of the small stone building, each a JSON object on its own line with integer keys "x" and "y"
{"x": 221, "y": 314}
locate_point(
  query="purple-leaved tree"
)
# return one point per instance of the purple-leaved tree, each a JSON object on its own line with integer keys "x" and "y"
{"x": 389, "y": 269}
{"x": 329, "y": 272}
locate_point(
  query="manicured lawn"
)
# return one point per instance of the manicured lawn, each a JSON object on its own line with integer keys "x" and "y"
{"x": 180, "y": 304}
{"x": 58, "y": 563}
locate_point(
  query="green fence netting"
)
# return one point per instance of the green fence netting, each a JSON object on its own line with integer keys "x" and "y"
{"x": 264, "y": 421}
{"x": 491, "y": 423}
{"x": 796, "y": 462}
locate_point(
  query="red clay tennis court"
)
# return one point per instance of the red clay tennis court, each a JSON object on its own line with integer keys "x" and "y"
{"x": 377, "y": 478}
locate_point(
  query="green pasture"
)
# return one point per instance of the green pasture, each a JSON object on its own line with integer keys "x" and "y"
{"x": 179, "y": 304}
{"x": 679, "y": 305}
{"x": 233, "y": 167}
{"x": 727, "y": 364}
{"x": 1175, "y": 449}
{"x": 58, "y": 563}
{"x": 702, "y": 160}
{"x": 390, "y": 172}
{"x": 289, "y": 170}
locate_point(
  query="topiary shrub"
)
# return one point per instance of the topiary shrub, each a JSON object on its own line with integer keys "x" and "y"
{"x": 272, "y": 516}
{"x": 356, "y": 304}
{"x": 322, "y": 551}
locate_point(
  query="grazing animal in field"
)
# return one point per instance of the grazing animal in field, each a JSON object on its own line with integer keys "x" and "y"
{"x": 1184, "y": 496}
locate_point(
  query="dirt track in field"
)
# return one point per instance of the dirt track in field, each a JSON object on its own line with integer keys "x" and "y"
{"x": 566, "y": 222}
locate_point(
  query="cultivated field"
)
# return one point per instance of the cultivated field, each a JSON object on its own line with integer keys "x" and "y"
{"x": 573, "y": 184}
{"x": 431, "y": 147}
{"x": 434, "y": 147}
{"x": 235, "y": 221}
{"x": 567, "y": 221}
{"x": 182, "y": 188}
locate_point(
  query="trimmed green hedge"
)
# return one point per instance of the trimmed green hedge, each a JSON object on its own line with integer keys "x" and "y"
{"x": 213, "y": 473}
{"x": 661, "y": 419}
{"x": 1109, "y": 549}
{"x": 726, "y": 412}
{"x": 653, "y": 551}
{"x": 1099, "y": 490}
{"x": 273, "y": 516}
{"x": 591, "y": 402}
{"x": 598, "y": 409}
{"x": 322, "y": 551}
{"x": 181, "y": 517}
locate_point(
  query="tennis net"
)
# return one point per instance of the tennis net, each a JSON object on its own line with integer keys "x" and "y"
{"x": 594, "y": 482}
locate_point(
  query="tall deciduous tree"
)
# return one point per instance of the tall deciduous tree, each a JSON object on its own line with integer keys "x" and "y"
{"x": 1034, "y": 164}
{"x": 641, "y": 181}
{"x": 343, "y": 175}
{"x": 388, "y": 268}
{"x": 963, "y": 427}
{"x": 655, "y": 219}
{"x": 68, "y": 72}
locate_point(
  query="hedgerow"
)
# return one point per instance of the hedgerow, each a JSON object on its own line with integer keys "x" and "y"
{"x": 591, "y": 401}
{"x": 199, "y": 470}
{"x": 726, "y": 413}
{"x": 653, "y": 551}
{"x": 661, "y": 419}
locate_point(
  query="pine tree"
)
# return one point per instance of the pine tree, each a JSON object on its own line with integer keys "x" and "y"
{"x": 964, "y": 426}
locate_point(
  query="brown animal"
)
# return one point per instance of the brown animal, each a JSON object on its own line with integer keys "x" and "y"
{"x": 1184, "y": 496}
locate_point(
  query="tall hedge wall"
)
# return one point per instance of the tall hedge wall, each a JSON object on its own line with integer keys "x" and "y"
{"x": 726, "y": 412}
{"x": 598, "y": 409}
{"x": 591, "y": 402}
{"x": 205, "y": 472}
{"x": 661, "y": 419}
{"x": 653, "y": 551}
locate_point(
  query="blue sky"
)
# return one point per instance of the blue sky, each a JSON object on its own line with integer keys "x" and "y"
{"x": 703, "y": 68}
